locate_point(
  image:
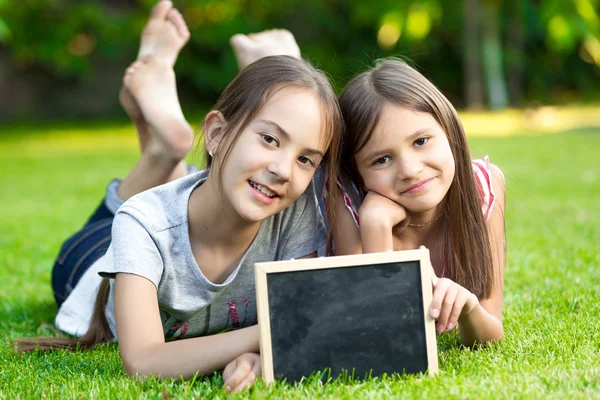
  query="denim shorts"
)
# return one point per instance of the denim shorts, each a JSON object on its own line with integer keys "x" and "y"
{"x": 80, "y": 251}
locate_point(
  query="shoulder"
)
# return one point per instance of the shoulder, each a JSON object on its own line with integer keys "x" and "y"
{"x": 498, "y": 185}
{"x": 498, "y": 181}
{"x": 350, "y": 197}
{"x": 164, "y": 206}
{"x": 490, "y": 184}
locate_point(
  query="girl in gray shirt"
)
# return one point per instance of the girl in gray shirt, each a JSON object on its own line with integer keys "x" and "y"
{"x": 179, "y": 261}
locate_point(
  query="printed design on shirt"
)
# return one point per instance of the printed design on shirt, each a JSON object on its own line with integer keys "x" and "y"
{"x": 173, "y": 327}
{"x": 233, "y": 317}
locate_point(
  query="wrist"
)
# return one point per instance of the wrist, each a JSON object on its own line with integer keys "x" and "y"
{"x": 373, "y": 220}
{"x": 470, "y": 308}
{"x": 381, "y": 229}
{"x": 376, "y": 238}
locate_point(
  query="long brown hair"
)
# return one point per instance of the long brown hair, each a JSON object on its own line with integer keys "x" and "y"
{"x": 98, "y": 332}
{"x": 239, "y": 103}
{"x": 464, "y": 239}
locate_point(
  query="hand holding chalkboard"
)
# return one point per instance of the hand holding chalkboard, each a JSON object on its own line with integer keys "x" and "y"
{"x": 450, "y": 302}
{"x": 365, "y": 314}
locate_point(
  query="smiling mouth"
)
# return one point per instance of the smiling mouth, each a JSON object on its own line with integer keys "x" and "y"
{"x": 417, "y": 187}
{"x": 264, "y": 190}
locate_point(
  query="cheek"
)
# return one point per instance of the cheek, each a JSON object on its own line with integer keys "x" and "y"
{"x": 442, "y": 156}
{"x": 448, "y": 162}
{"x": 380, "y": 181}
{"x": 246, "y": 154}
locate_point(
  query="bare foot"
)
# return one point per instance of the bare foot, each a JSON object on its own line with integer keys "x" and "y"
{"x": 130, "y": 105}
{"x": 132, "y": 109}
{"x": 152, "y": 85}
{"x": 253, "y": 47}
{"x": 165, "y": 34}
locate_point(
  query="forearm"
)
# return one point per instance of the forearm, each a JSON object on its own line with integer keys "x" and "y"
{"x": 202, "y": 355}
{"x": 376, "y": 238}
{"x": 480, "y": 326}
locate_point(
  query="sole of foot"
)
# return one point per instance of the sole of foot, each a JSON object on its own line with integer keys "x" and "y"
{"x": 151, "y": 83}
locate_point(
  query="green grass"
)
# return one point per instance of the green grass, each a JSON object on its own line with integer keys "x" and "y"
{"x": 51, "y": 179}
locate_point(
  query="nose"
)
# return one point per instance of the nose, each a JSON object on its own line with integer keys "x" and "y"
{"x": 282, "y": 167}
{"x": 409, "y": 166}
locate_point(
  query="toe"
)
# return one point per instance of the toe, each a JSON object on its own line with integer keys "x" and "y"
{"x": 161, "y": 9}
{"x": 177, "y": 20}
{"x": 133, "y": 67}
{"x": 240, "y": 41}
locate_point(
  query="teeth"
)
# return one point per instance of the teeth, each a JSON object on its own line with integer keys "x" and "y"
{"x": 263, "y": 189}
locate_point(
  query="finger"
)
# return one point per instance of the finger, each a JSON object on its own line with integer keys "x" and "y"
{"x": 246, "y": 382}
{"x": 459, "y": 304}
{"x": 439, "y": 292}
{"x": 242, "y": 370}
{"x": 228, "y": 371}
{"x": 447, "y": 307}
{"x": 403, "y": 224}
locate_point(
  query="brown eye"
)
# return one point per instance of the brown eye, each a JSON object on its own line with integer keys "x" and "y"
{"x": 306, "y": 161}
{"x": 382, "y": 160}
{"x": 270, "y": 140}
{"x": 420, "y": 142}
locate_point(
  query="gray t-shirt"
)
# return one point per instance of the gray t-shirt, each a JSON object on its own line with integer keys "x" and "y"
{"x": 151, "y": 239}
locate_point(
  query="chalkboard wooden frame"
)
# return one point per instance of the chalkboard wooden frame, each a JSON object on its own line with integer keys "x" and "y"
{"x": 264, "y": 270}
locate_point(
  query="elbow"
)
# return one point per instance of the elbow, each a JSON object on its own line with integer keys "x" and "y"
{"x": 498, "y": 337}
{"x": 495, "y": 338}
{"x": 135, "y": 370}
{"x": 483, "y": 340}
{"x": 136, "y": 366}
{"x": 496, "y": 334}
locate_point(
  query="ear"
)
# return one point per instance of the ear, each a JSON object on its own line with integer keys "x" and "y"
{"x": 214, "y": 131}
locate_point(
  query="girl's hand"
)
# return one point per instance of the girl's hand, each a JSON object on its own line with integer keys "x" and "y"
{"x": 450, "y": 302}
{"x": 378, "y": 209}
{"x": 380, "y": 218}
{"x": 242, "y": 372}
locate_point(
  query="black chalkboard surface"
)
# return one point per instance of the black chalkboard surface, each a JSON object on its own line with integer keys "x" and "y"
{"x": 364, "y": 314}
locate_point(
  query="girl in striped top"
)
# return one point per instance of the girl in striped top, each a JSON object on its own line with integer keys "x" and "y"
{"x": 409, "y": 181}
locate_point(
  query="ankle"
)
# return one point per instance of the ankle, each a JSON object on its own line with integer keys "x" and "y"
{"x": 161, "y": 153}
{"x": 175, "y": 143}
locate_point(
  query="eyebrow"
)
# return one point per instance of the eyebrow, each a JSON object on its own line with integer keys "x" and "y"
{"x": 287, "y": 136}
{"x": 418, "y": 133}
{"x": 410, "y": 138}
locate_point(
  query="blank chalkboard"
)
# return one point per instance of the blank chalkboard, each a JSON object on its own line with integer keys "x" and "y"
{"x": 366, "y": 315}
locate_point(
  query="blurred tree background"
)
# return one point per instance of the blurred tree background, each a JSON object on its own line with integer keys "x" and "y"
{"x": 65, "y": 58}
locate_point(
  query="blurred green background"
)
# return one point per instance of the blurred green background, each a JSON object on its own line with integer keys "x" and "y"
{"x": 64, "y": 59}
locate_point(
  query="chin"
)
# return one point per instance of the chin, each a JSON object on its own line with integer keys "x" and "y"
{"x": 252, "y": 214}
{"x": 421, "y": 207}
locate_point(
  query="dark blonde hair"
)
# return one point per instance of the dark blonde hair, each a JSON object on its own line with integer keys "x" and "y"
{"x": 239, "y": 103}
{"x": 393, "y": 81}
